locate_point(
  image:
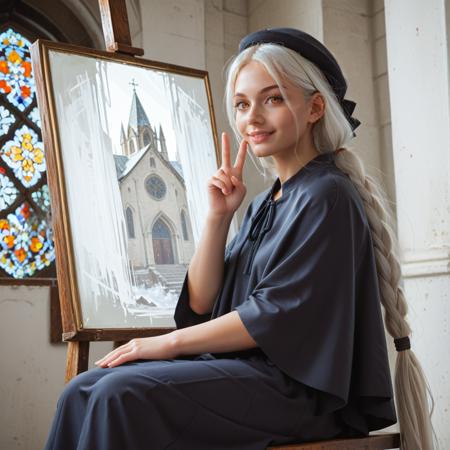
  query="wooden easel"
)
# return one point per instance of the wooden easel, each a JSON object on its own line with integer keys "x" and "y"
{"x": 117, "y": 36}
{"x": 116, "y": 29}
{"x": 118, "y": 44}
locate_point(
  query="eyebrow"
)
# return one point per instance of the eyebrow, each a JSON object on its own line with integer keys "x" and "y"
{"x": 268, "y": 88}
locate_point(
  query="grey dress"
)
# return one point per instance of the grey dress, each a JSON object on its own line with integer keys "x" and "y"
{"x": 301, "y": 273}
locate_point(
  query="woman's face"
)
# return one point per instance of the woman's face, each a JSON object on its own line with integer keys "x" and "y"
{"x": 263, "y": 117}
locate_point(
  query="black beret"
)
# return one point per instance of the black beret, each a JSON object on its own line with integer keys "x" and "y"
{"x": 314, "y": 51}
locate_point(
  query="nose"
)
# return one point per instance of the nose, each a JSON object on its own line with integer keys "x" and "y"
{"x": 255, "y": 114}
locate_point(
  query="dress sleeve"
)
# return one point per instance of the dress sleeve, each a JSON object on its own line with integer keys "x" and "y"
{"x": 303, "y": 310}
{"x": 184, "y": 315}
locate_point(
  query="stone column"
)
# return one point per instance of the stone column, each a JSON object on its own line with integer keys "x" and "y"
{"x": 417, "y": 50}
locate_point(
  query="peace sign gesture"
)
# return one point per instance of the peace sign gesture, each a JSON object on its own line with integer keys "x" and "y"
{"x": 225, "y": 188}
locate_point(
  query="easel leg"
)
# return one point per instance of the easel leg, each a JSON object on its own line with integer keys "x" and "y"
{"x": 77, "y": 358}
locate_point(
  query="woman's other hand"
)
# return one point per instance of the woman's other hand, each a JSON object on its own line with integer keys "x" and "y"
{"x": 225, "y": 188}
{"x": 155, "y": 347}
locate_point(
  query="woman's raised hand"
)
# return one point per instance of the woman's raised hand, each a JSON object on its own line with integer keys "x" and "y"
{"x": 225, "y": 188}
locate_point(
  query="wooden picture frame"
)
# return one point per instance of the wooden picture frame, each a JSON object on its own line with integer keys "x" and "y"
{"x": 157, "y": 168}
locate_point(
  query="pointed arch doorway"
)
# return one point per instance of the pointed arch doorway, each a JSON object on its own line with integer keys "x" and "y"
{"x": 162, "y": 243}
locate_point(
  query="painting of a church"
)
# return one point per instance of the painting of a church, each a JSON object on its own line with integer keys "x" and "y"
{"x": 153, "y": 193}
{"x": 135, "y": 163}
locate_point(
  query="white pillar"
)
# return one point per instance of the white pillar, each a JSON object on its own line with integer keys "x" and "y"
{"x": 417, "y": 50}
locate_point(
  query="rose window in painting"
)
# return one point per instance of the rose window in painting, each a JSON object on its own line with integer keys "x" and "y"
{"x": 26, "y": 245}
{"x": 156, "y": 187}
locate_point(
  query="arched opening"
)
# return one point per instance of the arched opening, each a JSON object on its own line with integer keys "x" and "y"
{"x": 130, "y": 223}
{"x": 25, "y": 204}
{"x": 184, "y": 226}
{"x": 132, "y": 147}
{"x": 146, "y": 138}
{"x": 162, "y": 243}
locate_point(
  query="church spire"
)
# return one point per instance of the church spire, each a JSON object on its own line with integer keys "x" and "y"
{"x": 138, "y": 119}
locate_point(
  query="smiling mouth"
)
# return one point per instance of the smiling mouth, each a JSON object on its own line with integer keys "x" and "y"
{"x": 260, "y": 136}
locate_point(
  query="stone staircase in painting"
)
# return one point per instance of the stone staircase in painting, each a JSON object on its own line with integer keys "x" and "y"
{"x": 170, "y": 275}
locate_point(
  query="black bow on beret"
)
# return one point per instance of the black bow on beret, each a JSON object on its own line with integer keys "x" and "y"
{"x": 314, "y": 51}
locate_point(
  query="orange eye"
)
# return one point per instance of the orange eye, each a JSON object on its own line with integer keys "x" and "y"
{"x": 238, "y": 105}
{"x": 275, "y": 99}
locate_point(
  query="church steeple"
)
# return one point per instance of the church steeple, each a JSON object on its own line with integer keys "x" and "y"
{"x": 139, "y": 128}
{"x": 138, "y": 118}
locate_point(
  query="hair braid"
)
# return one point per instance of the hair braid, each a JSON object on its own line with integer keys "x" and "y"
{"x": 410, "y": 383}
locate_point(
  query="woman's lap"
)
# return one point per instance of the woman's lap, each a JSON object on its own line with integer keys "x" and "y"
{"x": 182, "y": 404}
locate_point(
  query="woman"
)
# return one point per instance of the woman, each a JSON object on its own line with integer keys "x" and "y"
{"x": 279, "y": 335}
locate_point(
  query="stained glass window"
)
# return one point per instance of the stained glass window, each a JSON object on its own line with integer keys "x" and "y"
{"x": 156, "y": 187}
{"x": 26, "y": 244}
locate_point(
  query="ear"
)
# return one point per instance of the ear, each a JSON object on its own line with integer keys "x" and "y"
{"x": 317, "y": 104}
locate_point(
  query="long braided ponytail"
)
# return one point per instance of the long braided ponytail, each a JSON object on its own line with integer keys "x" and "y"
{"x": 410, "y": 384}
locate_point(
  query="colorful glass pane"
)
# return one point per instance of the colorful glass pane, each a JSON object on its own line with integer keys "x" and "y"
{"x": 16, "y": 79}
{"x": 35, "y": 117}
{"x": 25, "y": 243}
{"x": 42, "y": 198}
{"x": 8, "y": 192}
{"x": 7, "y": 118}
{"x": 25, "y": 155}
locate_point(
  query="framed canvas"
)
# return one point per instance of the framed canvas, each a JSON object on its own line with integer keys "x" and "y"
{"x": 129, "y": 144}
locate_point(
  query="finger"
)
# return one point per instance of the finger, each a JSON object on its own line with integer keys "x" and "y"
{"x": 238, "y": 184}
{"x": 113, "y": 354}
{"x": 100, "y": 361}
{"x": 222, "y": 176}
{"x": 226, "y": 162}
{"x": 219, "y": 184}
{"x": 240, "y": 158}
{"x": 108, "y": 355}
{"x": 107, "y": 359}
{"x": 125, "y": 357}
